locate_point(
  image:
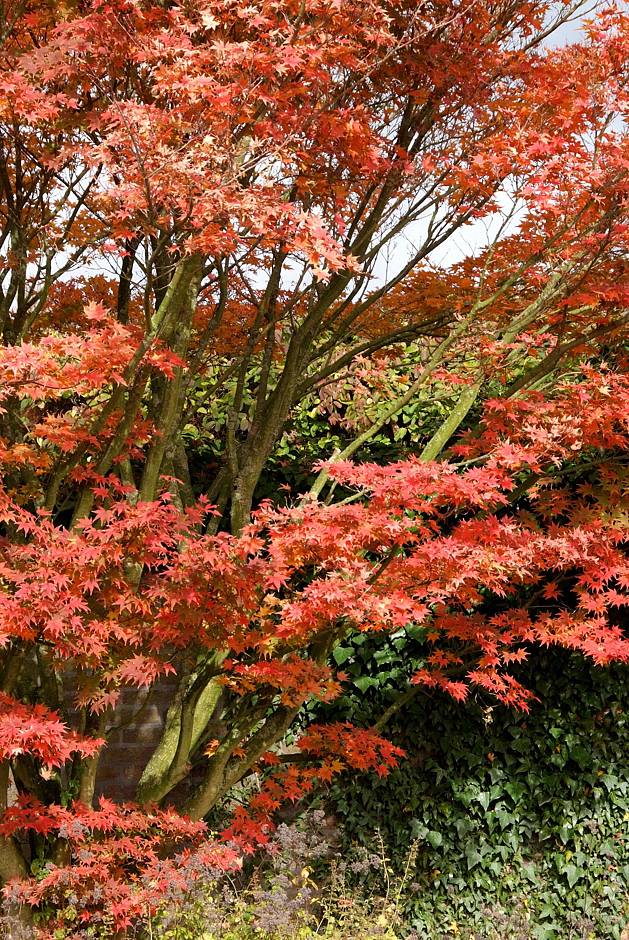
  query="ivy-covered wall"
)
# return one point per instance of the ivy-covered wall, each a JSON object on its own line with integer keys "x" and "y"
{"x": 521, "y": 821}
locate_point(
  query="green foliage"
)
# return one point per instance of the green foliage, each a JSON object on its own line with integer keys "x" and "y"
{"x": 317, "y": 427}
{"x": 376, "y": 668}
{"x": 522, "y": 821}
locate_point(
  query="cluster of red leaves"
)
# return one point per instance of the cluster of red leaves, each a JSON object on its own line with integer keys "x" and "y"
{"x": 360, "y": 749}
{"x": 35, "y": 730}
{"x": 294, "y": 677}
{"x": 329, "y": 750}
{"x": 84, "y": 363}
{"x": 72, "y": 369}
{"x": 204, "y": 59}
{"x": 445, "y": 536}
{"x": 536, "y": 431}
{"x": 121, "y": 862}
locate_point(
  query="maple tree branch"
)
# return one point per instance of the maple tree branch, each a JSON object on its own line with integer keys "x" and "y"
{"x": 555, "y": 287}
{"x": 88, "y": 767}
{"x": 12, "y": 861}
{"x": 400, "y": 702}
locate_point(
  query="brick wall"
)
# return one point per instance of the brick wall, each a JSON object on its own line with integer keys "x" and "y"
{"x": 130, "y": 745}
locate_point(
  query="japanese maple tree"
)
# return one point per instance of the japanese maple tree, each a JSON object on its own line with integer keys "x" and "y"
{"x": 206, "y": 211}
